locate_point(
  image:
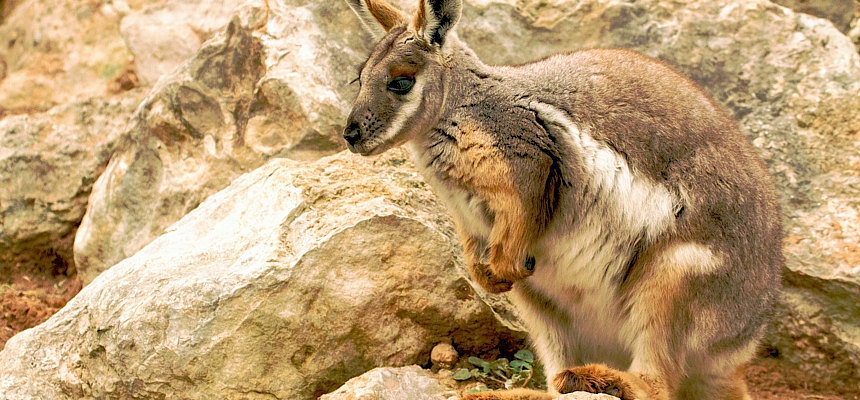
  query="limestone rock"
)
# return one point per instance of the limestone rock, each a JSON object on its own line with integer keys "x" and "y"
{"x": 48, "y": 163}
{"x": 59, "y": 52}
{"x": 7, "y": 8}
{"x": 841, "y": 12}
{"x": 247, "y": 95}
{"x": 294, "y": 279}
{"x": 585, "y": 396}
{"x": 410, "y": 382}
{"x": 180, "y": 147}
{"x": 70, "y": 50}
{"x": 165, "y": 35}
{"x": 444, "y": 355}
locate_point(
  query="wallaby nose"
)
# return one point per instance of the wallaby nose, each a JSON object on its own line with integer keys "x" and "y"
{"x": 352, "y": 133}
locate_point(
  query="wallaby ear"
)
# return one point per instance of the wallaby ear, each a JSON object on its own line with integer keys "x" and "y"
{"x": 377, "y": 15}
{"x": 436, "y": 18}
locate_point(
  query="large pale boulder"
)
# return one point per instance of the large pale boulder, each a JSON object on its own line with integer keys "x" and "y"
{"x": 65, "y": 74}
{"x": 287, "y": 283}
{"x": 69, "y": 50}
{"x": 166, "y": 34}
{"x": 180, "y": 147}
{"x": 234, "y": 105}
{"x": 48, "y": 163}
{"x": 841, "y": 12}
{"x": 387, "y": 383}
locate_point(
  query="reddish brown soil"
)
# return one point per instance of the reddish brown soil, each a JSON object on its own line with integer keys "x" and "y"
{"x": 28, "y": 299}
{"x": 772, "y": 379}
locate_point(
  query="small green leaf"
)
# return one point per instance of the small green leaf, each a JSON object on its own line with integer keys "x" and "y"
{"x": 501, "y": 375}
{"x": 525, "y": 355}
{"x": 462, "y": 374}
{"x": 517, "y": 364}
{"x": 499, "y": 365}
{"x": 478, "y": 362}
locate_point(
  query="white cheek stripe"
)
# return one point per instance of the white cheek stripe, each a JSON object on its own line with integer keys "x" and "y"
{"x": 406, "y": 111}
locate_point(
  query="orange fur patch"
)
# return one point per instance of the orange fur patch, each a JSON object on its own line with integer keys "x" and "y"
{"x": 598, "y": 378}
{"x": 402, "y": 70}
{"x": 420, "y": 17}
{"x": 384, "y": 13}
{"x": 484, "y": 169}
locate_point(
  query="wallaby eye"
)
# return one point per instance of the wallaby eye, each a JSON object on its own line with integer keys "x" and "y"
{"x": 401, "y": 84}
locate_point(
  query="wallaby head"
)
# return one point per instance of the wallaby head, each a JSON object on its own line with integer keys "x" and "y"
{"x": 403, "y": 81}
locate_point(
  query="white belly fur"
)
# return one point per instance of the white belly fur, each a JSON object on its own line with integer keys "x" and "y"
{"x": 576, "y": 264}
{"x": 464, "y": 208}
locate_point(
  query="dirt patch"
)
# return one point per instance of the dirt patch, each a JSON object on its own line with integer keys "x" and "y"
{"x": 27, "y": 300}
{"x": 771, "y": 378}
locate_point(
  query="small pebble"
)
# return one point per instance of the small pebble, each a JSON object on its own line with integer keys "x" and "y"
{"x": 444, "y": 355}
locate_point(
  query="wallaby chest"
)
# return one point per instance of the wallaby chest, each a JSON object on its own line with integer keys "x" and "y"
{"x": 440, "y": 164}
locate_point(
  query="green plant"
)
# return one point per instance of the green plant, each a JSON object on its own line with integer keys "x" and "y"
{"x": 509, "y": 374}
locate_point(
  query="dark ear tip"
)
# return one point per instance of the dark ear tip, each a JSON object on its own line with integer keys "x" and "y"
{"x": 444, "y": 14}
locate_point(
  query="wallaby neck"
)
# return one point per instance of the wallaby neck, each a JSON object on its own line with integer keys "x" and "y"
{"x": 465, "y": 76}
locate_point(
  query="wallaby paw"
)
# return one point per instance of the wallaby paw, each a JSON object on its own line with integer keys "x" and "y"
{"x": 597, "y": 378}
{"x": 506, "y": 269}
{"x": 488, "y": 281}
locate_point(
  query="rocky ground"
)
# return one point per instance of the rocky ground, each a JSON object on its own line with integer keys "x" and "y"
{"x": 29, "y": 297}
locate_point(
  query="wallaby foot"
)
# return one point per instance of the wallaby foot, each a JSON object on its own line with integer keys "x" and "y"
{"x": 598, "y": 378}
{"x": 483, "y": 275}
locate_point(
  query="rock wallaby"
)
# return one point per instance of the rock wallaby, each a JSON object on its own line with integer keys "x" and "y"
{"x": 633, "y": 224}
